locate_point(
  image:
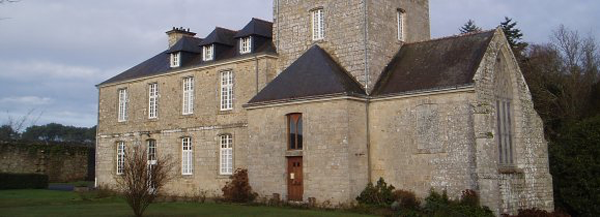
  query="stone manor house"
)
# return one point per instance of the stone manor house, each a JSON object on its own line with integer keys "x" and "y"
{"x": 331, "y": 95}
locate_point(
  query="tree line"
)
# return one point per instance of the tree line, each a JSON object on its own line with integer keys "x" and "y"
{"x": 52, "y": 132}
{"x": 563, "y": 76}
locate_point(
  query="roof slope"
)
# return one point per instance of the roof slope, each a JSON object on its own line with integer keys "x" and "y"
{"x": 436, "y": 64}
{"x": 220, "y": 36}
{"x": 257, "y": 27}
{"x": 187, "y": 44}
{"x": 153, "y": 66}
{"x": 315, "y": 73}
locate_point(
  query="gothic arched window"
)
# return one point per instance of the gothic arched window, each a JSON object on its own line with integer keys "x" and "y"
{"x": 294, "y": 131}
{"x": 504, "y": 112}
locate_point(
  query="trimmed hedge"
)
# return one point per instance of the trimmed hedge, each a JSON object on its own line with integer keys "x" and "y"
{"x": 23, "y": 181}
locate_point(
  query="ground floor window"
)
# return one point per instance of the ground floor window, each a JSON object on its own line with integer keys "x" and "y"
{"x": 226, "y": 166}
{"x": 120, "y": 158}
{"x": 187, "y": 163}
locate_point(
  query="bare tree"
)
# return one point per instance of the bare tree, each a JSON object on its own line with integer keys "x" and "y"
{"x": 142, "y": 178}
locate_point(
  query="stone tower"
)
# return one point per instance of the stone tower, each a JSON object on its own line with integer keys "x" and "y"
{"x": 362, "y": 35}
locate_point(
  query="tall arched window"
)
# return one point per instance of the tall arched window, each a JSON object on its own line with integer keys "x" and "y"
{"x": 504, "y": 112}
{"x": 401, "y": 18}
{"x": 226, "y": 143}
{"x": 294, "y": 131}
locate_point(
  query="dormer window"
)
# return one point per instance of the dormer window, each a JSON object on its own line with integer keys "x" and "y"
{"x": 245, "y": 45}
{"x": 208, "y": 52}
{"x": 175, "y": 60}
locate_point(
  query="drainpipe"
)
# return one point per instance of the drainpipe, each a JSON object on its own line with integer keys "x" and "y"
{"x": 256, "y": 62}
{"x": 368, "y": 137}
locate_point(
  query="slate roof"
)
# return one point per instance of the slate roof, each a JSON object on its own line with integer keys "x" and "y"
{"x": 220, "y": 36}
{"x": 256, "y": 27}
{"x": 315, "y": 73}
{"x": 435, "y": 64}
{"x": 187, "y": 44}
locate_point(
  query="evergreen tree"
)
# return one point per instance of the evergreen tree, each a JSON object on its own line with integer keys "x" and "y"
{"x": 513, "y": 34}
{"x": 470, "y": 26}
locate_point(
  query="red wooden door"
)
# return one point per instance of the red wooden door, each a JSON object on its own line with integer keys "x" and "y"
{"x": 294, "y": 179}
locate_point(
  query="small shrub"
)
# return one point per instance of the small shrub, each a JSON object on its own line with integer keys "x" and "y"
{"x": 440, "y": 205}
{"x": 238, "y": 190}
{"x": 23, "y": 181}
{"x": 379, "y": 195}
{"x": 469, "y": 198}
{"x": 406, "y": 199}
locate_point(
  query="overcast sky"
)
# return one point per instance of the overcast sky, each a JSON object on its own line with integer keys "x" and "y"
{"x": 53, "y": 52}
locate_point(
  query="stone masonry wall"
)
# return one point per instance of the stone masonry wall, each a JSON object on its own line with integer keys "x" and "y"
{"x": 334, "y": 154}
{"x": 345, "y": 31}
{"x": 60, "y": 162}
{"x": 424, "y": 142}
{"x": 204, "y": 126}
{"x": 528, "y": 183}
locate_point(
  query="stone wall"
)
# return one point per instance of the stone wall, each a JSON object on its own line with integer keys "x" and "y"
{"x": 334, "y": 154}
{"x": 346, "y": 34}
{"x": 62, "y": 163}
{"x": 204, "y": 126}
{"x": 426, "y": 142}
{"x": 527, "y": 183}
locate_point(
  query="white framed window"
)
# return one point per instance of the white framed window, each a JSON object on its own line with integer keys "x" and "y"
{"x": 505, "y": 137}
{"x": 318, "y": 24}
{"x": 187, "y": 160}
{"x": 153, "y": 101}
{"x": 401, "y": 18}
{"x": 175, "y": 59}
{"x": 123, "y": 101}
{"x": 120, "y": 158}
{"x": 208, "y": 52}
{"x": 226, "y": 90}
{"x": 226, "y": 166}
{"x": 188, "y": 96}
{"x": 245, "y": 45}
{"x": 151, "y": 152}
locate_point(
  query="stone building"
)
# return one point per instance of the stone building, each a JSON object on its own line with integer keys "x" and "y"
{"x": 328, "y": 97}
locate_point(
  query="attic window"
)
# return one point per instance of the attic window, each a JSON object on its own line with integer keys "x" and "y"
{"x": 208, "y": 52}
{"x": 175, "y": 59}
{"x": 246, "y": 45}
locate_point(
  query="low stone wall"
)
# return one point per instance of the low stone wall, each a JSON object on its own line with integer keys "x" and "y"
{"x": 61, "y": 162}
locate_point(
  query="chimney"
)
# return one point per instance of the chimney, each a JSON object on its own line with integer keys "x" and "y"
{"x": 177, "y": 33}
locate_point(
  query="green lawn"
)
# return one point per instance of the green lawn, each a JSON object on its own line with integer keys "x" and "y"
{"x": 57, "y": 203}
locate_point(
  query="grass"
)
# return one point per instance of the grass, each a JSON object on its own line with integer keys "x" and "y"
{"x": 57, "y": 203}
{"x": 76, "y": 184}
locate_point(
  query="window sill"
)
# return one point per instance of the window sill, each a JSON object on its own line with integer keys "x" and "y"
{"x": 509, "y": 169}
{"x": 293, "y": 153}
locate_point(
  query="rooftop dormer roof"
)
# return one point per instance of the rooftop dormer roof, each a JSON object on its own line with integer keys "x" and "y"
{"x": 256, "y": 27}
{"x": 220, "y": 36}
{"x": 187, "y": 44}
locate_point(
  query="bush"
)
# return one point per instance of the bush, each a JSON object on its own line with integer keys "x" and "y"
{"x": 23, "y": 181}
{"x": 406, "y": 199}
{"x": 379, "y": 195}
{"x": 575, "y": 166}
{"x": 440, "y": 205}
{"x": 238, "y": 190}
{"x": 469, "y": 198}
{"x": 539, "y": 213}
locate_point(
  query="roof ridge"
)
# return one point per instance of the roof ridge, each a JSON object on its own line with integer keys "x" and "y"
{"x": 226, "y": 29}
{"x": 258, "y": 19}
{"x": 452, "y": 37}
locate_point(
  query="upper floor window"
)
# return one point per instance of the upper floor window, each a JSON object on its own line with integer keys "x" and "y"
{"x": 151, "y": 152}
{"x": 401, "y": 18}
{"x": 175, "y": 59}
{"x": 188, "y": 96}
{"x": 153, "y": 101}
{"x": 123, "y": 101}
{"x": 318, "y": 24}
{"x": 226, "y": 90}
{"x": 226, "y": 166}
{"x": 187, "y": 160}
{"x": 120, "y": 158}
{"x": 208, "y": 52}
{"x": 504, "y": 117}
{"x": 294, "y": 131}
{"x": 246, "y": 45}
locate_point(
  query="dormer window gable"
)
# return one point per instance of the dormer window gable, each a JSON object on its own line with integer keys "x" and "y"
{"x": 208, "y": 52}
{"x": 246, "y": 45}
{"x": 175, "y": 60}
